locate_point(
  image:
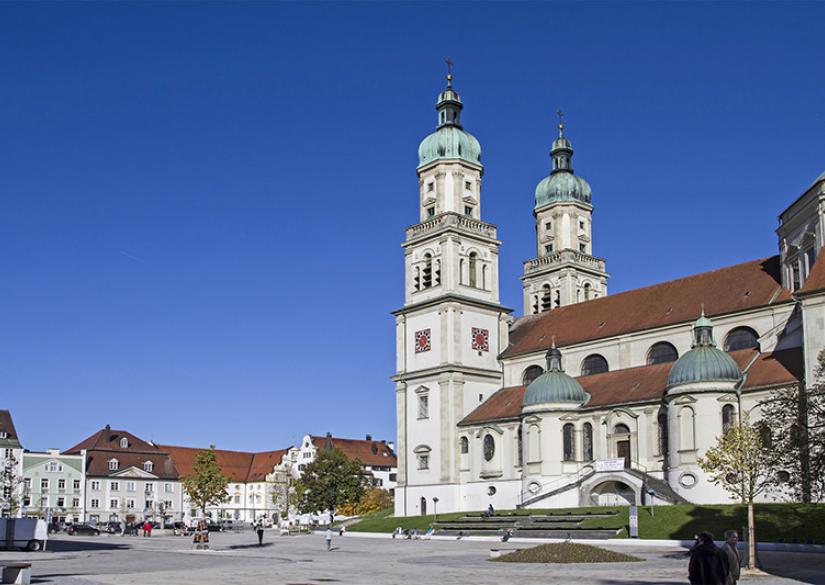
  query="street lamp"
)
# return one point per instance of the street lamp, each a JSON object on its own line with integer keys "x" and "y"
{"x": 435, "y": 509}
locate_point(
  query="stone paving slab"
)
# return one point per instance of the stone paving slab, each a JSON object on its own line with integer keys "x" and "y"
{"x": 299, "y": 560}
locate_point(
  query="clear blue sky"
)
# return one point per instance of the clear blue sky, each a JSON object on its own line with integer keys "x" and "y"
{"x": 201, "y": 205}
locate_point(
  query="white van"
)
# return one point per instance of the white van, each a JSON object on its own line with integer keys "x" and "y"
{"x": 23, "y": 533}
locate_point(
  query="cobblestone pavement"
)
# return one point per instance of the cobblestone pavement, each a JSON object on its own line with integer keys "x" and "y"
{"x": 236, "y": 559}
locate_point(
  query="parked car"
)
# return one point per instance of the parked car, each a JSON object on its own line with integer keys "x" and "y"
{"x": 29, "y": 533}
{"x": 76, "y": 529}
{"x": 112, "y": 527}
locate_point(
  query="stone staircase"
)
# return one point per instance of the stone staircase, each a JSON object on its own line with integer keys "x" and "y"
{"x": 534, "y": 525}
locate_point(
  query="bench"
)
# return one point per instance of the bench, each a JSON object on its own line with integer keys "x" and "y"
{"x": 17, "y": 573}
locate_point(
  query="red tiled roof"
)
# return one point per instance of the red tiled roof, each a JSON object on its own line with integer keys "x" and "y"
{"x": 816, "y": 279}
{"x": 7, "y": 425}
{"x": 726, "y": 290}
{"x": 109, "y": 439}
{"x": 368, "y": 452}
{"x": 104, "y": 445}
{"x": 238, "y": 466}
{"x": 643, "y": 384}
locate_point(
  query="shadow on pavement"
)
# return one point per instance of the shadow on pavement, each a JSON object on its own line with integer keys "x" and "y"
{"x": 67, "y": 545}
{"x": 245, "y": 546}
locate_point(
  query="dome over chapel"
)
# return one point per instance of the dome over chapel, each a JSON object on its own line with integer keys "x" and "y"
{"x": 704, "y": 362}
{"x": 554, "y": 387}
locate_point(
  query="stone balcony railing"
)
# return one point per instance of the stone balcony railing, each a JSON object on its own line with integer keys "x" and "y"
{"x": 450, "y": 219}
{"x": 563, "y": 257}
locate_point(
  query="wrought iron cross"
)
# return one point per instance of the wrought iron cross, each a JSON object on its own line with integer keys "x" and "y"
{"x": 449, "y": 63}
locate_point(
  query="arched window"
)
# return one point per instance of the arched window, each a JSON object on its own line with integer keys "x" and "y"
{"x": 546, "y": 297}
{"x": 568, "y": 442}
{"x": 530, "y": 374}
{"x": 484, "y": 277}
{"x": 727, "y": 418}
{"x": 461, "y": 271}
{"x": 520, "y": 447}
{"x": 124, "y": 443}
{"x": 587, "y": 442}
{"x": 557, "y": 300}
{"x": 534, "y": 444}
{"x": 464, "y": 445}
{"x": 662, "y": 432}
{"x": 417, "y": 283}
{"x": 661, "y": 353}
{"x": 741, "y": 338}
{"x": 588, "y": 291}
{"x": 594, "y": 364}
{"x": 687, "y": 431}
{"x": 489, "y": 447}
{"x": 427, "y": 273}
{"x": 473, "y": 268}
{"x": 621, "y": 429}
{"x": 148, "y": 466}
{"x": 765, "y": 435}
{"x": 113, "y": 464}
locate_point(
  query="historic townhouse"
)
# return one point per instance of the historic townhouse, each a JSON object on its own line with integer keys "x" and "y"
{"x": 128, "y": 478}
{"x": 11, "y": 465}
{"x": 54, "y": 486}
{"x": 587, "y": 398}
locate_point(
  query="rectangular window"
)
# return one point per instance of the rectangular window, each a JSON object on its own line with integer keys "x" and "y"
{"x": 430, "y": 187}
{"x": 168, "y": 488}
{"x": 95, "y": 485}
{"x": 95, "y": 503}
{"x": 27, "y": 501}
{"x": 423, "y": 461}
{"x": 61, "y": 502}
{"x": 114, "y": 486}
{"x": 237, "y": 499}
{"x": 44, "y": 485}
{"x": 795, "y": 275}
{"x": 468, "y": 211}
{"x": 582, "y": 248}
{"x": 548, "y": 248}
{"x": 75, "y": 502}
{"x": 430, "y": 212}
{"x": 424, "y": 406}
{"x": 4, "y": 435}
{"x": 114, "y": 503}
{"x": 167, "y": 504}
{"x": 468, "y": 185}
{"x": 130, "y": 504}
{"x": 9, "y": 453}
{"x": 27, "y": 483}
{"x": 76, "y": 484}
{"x": 150, "y": 488}
{"x": 581, "y": 225}
{"x": 810, "y": 258}
{"x": 61, "y": 484}
{"x": 131, "y": 486}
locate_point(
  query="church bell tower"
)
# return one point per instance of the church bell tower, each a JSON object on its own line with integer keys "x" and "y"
{"x": 451, "y": 328}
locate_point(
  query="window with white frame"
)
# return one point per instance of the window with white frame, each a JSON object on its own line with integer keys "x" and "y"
{"x": 44, "y": 485}
{"x": 75, "y": 502}
{"x": 95, "y": 503}
{"x": 53, "y": 467}
{"x": 114, "y": 486}
{"x": 124, "y": 443}
{"x": 113, "y": 464}
{"x": 167, "y": 504}
{"x": 114, "y": 503}
{"x": 61, "y": 484}
{"x": 168, "y": 488}
{"x": 61, "y": 502}
{"x": 149, "y": 488}
{"x": 95, "y": 485}
{"x": 148, "y": 466}
{"x": 4, "y": 435}
{"x": 130, "y": 504}
{"x": 75, "y": 484}
{"x": 8, "y": 453}
{"x": 424, "y": 406}
{"x": 422, "y": 457}
{"x": 27, "y": 483}
{"x": 131, "y": 486}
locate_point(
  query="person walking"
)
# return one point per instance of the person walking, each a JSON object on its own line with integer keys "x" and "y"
{"x": 328, "y": 538}
{"x": 708, "y": 564}
{"x": 732, "y": 553}
{"x": 260, "y": 531}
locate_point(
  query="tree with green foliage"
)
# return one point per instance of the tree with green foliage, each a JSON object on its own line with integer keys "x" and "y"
{"x": 794, "y": 423}
{"x": 9, "y": 488}
{"x": 206, "y": 485}
{"x": 741, "y": 463}
{"x": 331, "y": 480}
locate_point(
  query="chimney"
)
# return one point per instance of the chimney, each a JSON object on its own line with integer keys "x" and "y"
{"x": 369, "y": 437}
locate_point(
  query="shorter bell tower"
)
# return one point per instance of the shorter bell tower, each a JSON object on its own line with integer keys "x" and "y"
{"x": 565, "y": 270}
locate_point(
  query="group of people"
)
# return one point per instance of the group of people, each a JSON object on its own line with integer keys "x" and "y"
{"x": 714, "y": 565}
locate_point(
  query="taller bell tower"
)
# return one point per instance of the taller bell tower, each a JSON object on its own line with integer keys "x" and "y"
{"x": 565, "y": 270}
{"x": 451, "y": 328}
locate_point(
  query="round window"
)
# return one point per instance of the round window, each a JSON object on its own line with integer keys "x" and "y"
{"x": 491, "y": 491}
{"x": 687, "y": 480}
{"x": 489, "y": 447}
{"x": 783, "y": 476}
{"x": 534, "y": 488}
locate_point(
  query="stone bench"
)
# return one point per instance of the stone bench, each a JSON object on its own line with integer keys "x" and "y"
{"x": 17, "y": 573}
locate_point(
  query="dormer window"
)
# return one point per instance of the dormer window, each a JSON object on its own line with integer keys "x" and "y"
{"x": 124, "y": 443}
{"x": 148, "y": 466}
{"x": 113, "y": 464}
{"x": 3, "y": 435}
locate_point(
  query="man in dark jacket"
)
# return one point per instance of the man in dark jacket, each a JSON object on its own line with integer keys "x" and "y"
{"x": 734, "y": 560}
{"x": 708, "y": 565}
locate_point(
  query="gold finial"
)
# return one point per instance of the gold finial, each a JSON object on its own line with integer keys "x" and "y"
{"x": 703, "y": 309}
{"x": 560, "y": 114}
{"x": 553, "y": 342}
{"x": 449, "y": 63}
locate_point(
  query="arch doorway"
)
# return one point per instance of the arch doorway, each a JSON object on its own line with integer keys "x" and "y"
{"x": 423, "y": 506}
{"x": 613, "y": 493}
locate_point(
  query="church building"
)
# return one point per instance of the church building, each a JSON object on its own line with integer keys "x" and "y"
{"x": 588, "y": 398}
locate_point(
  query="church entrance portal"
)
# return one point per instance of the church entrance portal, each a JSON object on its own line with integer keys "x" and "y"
{"x": 613, "y": 493}
{"x": 623, "y": 451}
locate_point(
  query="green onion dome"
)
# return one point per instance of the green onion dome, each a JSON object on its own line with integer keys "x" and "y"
{"x": 450, "y": 140}
{"x": 562, "y": 184}
{"x": 704, "y": 362}
{"x": 554, "y": 386}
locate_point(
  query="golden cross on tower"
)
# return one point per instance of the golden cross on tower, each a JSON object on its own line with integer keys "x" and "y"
{"x": 449, "y": 63}
{"x": 560, "y": 114}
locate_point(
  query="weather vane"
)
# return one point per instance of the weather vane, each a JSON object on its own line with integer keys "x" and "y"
{"x": 449, "y": 63}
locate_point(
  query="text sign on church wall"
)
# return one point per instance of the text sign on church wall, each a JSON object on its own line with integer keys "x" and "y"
{"x": 610, "y": 464}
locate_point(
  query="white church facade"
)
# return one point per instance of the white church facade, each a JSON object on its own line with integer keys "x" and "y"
{"x": 588, "y": 398}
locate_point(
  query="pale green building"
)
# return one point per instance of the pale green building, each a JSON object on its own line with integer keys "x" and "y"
{"x": 54, "y": 486}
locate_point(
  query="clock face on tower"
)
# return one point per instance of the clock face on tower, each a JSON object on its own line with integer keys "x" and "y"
{"x": 481, "y": 339}
{"x": 422, "y": 340}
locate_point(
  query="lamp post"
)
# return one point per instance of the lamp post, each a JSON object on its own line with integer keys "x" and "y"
{"x": 435, "y": 509}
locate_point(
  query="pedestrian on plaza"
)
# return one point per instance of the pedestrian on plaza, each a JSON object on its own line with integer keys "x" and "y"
{"x": 734, "y": 559}
{"x": 260, "y": 531}
{"x": 328, "y": 538}
{"x": 708, "y": 564}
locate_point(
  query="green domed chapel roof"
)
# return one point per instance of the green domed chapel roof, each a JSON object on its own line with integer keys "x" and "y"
{"x": 554, "y": 386}
{"x": 704, "y": 362}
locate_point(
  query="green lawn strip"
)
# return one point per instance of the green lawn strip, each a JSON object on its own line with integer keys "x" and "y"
{"x": 566, "y": 552}
{"x": 788, "y": 522}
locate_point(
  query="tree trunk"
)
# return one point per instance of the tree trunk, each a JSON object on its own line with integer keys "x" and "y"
{"x": 751, "y": 537}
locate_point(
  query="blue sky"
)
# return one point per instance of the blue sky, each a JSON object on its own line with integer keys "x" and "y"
{"x": 201, "y": 205}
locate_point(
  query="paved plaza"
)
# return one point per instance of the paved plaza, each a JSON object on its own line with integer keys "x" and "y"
{"x": 236, "y": 559}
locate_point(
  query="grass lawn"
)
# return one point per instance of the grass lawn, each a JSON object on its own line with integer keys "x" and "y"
{"x": 789, "y": 522}
{"x": 566, "y": 552}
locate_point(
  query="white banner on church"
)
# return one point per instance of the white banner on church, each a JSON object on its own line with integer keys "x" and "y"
{"x": 610, "y": 464}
